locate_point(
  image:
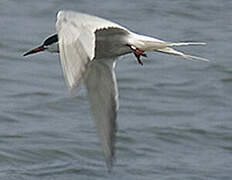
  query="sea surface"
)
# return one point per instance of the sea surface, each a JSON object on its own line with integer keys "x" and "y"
{"x": 175, "y": 117}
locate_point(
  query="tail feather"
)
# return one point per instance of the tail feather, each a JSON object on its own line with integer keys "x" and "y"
{"x": 185, "y": 43}
{"x": 152, "y": 44}
{"x": 169, "y": 50}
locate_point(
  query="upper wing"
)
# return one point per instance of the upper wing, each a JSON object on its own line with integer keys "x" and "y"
{"x": 93, "y": 23}
{"x": 76, "y": 33}
{"x": 103, "y": 96}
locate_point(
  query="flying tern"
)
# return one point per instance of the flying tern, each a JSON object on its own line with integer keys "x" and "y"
{"x": 88, "y": 47}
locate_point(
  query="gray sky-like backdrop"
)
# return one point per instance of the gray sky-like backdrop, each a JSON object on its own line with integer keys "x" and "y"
{"x": 175, "y": 117}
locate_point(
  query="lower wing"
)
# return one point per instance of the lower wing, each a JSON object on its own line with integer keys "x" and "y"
{"x": 103, "y": 96}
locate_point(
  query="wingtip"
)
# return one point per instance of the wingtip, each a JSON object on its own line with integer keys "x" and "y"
{"x": 110, "y": 164}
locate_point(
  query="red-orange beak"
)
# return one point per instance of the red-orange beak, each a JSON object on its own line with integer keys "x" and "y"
{"x": 33, "y": 51}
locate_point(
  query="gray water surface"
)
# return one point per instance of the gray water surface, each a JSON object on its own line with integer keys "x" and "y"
{"x": 175, "y": 117}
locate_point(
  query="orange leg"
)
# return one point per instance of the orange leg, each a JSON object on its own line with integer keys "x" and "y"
{"x": 138, "y": 53}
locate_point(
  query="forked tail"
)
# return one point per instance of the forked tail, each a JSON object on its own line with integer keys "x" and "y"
{"x": 172, "y": 51}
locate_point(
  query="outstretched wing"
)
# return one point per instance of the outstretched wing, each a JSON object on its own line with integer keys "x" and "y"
{"x": 76, "y": 33}
{"x": 103, "y": 96}
{"x": 79, "y": 34}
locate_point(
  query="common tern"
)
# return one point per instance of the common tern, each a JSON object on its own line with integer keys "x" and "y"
{"x": 88, "y": 47}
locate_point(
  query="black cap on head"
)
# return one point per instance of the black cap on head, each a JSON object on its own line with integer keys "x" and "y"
{"x": 50, "y": 40}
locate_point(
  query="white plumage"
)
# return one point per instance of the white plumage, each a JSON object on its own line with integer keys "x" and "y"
{"x": 88, "y": 46}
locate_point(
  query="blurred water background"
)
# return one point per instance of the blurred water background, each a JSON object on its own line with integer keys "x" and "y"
{"x": 175, "y": 118}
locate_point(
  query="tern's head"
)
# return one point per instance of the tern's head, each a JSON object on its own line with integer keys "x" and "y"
{"x": 50, "y": 44}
